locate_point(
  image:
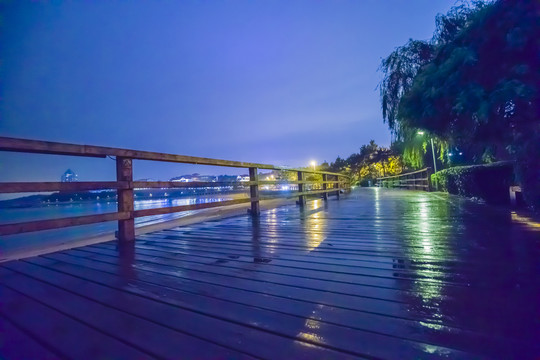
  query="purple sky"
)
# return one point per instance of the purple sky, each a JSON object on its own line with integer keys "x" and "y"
{"x": 280, "y": 82}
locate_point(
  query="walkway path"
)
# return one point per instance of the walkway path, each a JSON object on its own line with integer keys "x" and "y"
{"x": 378, "y": 274}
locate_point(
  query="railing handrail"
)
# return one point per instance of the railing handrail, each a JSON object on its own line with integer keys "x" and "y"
{"x": 404, "y": 174}
{"x": 412, "y": 180}
{"x": 58, "y": 148}
{"x": 125, "y": 186}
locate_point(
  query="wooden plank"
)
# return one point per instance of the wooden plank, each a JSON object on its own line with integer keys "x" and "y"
{"x": 203, "y": 243}
{"x": 17, "y": 187}
{"x": 180, "y": 290}
{"x": 297, "y": 239}
{"x": 334, "y": 335}
{"x": 295, "y": 182}
{"x": 297, "y": 194}
{"x": 110, "y": 316}
{"x": 330, "y": 292}
{"x": 315, "y": 192}
{"x": 364, "y": 260}
{"x": 15, "y": 343}
{"x": 329, "y": 241}
{"x": 405, "y": 174}
{"x": 318, "y": 270}
{"x": 345, "y": 282}
{"x": 413, "y": 180}
{"x": 321, "y": 296}
{"x": 296, "y": 259}
{"x": 29, "y": 226}
{"x": 172, "y": 209}
{"x": 198, "y": 184}
{"x": 160, "y": 324}
{"x": 70, "y": 338}
{"x": 346, "y": 253}
{"x": 47, "y": 147}
{"x": 291, "y": 236}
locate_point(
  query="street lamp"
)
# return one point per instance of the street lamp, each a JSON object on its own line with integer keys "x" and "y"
{"x": 432, "y": 151}
{"x": 313, "y": 164}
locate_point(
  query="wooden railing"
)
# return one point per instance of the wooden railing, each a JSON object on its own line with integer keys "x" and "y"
{"x": 416, "y": 180}
{"x": 332, "y": 183}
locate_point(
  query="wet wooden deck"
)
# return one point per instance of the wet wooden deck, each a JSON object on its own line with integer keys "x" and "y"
{"x": 378, "y": 274}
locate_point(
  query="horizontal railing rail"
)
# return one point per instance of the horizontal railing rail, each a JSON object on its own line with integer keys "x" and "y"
{"x": 416, "y": 180}
{"x": 124, "y": 186}
{"x": 20, "y": 187}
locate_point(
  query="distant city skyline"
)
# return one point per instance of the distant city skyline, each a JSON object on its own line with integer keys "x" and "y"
{"x": 276, "y": 82}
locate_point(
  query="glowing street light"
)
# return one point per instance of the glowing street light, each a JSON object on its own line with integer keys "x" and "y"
{"x": 432, "y": 151}
{"x": 313, "y": 164}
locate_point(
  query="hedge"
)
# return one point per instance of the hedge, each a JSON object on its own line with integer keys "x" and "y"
{"x": 488, "y": 182}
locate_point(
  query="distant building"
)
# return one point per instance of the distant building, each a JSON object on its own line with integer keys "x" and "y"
{"x": 242, "y": 178}
{"x": 194, "y": 178}
{"x": 68, "y": 176}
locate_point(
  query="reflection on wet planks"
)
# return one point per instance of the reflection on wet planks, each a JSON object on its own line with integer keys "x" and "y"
{"x": 377, "y": 274}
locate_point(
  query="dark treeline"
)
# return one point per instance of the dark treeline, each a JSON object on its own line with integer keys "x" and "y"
{"x": 474, "y": 89}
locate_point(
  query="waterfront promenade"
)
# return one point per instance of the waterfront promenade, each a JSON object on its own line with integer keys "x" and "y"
{"x": 379, "y": 273}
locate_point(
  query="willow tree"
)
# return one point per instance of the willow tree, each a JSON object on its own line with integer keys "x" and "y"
{"x": 475, "y": 84}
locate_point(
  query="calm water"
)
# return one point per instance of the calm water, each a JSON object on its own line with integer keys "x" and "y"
{"x": 31, "y": 241}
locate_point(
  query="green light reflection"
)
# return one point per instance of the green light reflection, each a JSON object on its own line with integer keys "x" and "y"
{"x": 428, "y": 244}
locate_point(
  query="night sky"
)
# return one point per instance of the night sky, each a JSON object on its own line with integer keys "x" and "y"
{"x": 280, "y": 82}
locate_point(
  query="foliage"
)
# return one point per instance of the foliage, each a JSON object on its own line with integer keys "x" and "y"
{"x": 370, "y": 163}
{"x": 285, "y": 175}
{"x": 487, "y": 182}
{"x": 475, "y": 85}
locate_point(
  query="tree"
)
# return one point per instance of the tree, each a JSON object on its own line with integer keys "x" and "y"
{"x": 370, "y": 163}
{"x": 475, "y": 84}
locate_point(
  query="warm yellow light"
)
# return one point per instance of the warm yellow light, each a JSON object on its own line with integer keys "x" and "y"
{"x": 525, "y": 221}
{"x": 313, "y": 163}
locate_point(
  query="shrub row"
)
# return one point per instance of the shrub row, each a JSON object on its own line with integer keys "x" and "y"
{"x": 488, "y": 182}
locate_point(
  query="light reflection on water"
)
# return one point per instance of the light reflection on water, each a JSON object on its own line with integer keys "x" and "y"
{"x": 29, "y": 241}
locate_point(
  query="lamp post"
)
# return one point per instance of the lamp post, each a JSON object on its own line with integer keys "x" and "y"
{"x": 313, "y": 164}
{"x": 432, "y": 151}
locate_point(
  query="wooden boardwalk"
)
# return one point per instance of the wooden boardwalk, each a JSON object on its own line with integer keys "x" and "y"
{"x": 377, "y": 274}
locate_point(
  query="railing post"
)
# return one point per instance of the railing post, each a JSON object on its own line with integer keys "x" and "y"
{"x": 254, "y": 191}
{"x": 124, "y": 172}
{"x": 338, "y": 185}
{"x": 301, "y": 188}
{"x": 428, "y": 176}
{"x": 324, "y": 179}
